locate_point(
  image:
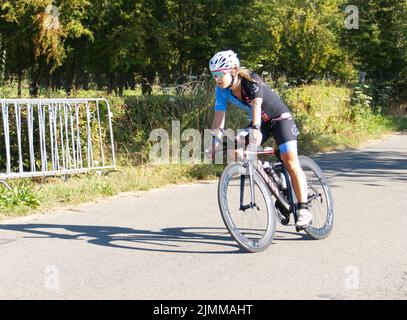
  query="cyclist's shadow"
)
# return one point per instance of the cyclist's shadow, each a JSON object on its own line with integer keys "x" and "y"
{"x": 203, "y": 240}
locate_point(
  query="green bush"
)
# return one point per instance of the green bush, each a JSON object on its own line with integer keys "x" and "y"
{"x": 331, "y": 117}
{"x": 19, "y": 196}
{"x": 137, "y": 116}
{"x": 328, "y": 116}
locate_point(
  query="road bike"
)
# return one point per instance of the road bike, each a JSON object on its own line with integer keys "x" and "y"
{"x": 254, "y": 194}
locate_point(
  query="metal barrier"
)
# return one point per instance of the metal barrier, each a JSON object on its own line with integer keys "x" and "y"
{"x": 46, "y": 137}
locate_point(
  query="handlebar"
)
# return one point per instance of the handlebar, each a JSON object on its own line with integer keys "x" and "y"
{"x": 260, "y": 150}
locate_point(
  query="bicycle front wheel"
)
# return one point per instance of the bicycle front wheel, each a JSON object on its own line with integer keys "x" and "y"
{"x": 320, "y": 200}
{"x": 252, "y": 225}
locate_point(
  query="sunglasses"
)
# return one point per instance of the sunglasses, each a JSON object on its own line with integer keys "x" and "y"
{"x": 218, "y": 74}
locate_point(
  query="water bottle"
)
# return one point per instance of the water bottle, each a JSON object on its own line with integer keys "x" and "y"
{"x": 283, "y": 181}
{"x": 271, "y": 172}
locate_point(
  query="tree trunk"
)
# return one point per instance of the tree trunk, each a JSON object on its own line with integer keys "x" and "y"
{"x": 34, "y": 86}
{"x": 19, "y": 83}
{"x": 147, "y": 82}
{"x": 110, "y": 83}
{"x": 121, "y": 83}
{"x": 68, "y": 81}
{"x": 132, "y": 82}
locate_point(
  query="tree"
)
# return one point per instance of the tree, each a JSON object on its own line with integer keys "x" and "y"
{"x": 297, "y": 38}
{"x": 36, "y": 31}
{"x": 379, "y": 46}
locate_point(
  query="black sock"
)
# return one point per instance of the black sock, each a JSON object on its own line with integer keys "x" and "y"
{"x": 302, "y": 205}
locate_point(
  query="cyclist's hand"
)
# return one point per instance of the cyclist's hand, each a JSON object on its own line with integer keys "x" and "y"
{"x": 239, "y": 154}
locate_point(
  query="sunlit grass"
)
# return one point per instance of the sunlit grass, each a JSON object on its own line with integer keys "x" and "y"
{"x": 56, "y": 192}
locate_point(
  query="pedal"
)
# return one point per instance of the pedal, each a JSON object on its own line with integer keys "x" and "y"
{"x": 285, "y": 221}
{"x": 283, "y": 216}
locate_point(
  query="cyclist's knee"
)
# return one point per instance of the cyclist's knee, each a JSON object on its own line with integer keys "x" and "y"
{"x": 291, "y": 162}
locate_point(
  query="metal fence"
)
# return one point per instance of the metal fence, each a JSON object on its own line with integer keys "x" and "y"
{"x": 46, "y": 137}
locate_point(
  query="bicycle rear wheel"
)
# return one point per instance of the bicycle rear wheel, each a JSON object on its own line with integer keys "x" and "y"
{"x": 252, "y": 226}
{"x": 320, "y": 200}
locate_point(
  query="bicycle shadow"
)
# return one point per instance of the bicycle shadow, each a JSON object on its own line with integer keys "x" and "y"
{"x": 170, "y": 240}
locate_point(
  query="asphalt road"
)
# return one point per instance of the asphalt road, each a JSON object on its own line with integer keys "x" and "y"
{"x": 171, "y": 243}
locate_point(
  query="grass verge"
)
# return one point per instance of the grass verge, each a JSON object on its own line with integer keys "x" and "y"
{"x": 29, "y": 196}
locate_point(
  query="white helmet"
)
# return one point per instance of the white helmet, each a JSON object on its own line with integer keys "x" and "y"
{"x": 224, "y": 60}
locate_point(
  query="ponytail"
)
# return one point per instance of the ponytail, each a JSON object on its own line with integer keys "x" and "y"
{"x": 245, "y": 73}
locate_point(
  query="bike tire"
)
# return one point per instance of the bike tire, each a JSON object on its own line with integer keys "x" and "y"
{"x": 238, "y": 235}
{"x": 318, "y": 184}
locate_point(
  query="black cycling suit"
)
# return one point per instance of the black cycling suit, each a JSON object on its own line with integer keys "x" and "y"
{"x": 283, "y": 129}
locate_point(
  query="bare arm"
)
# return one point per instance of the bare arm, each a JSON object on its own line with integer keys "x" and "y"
{"x": 219, "y": 120}
{"x": 217, "y": 129}
{"x": 256, "y": 107}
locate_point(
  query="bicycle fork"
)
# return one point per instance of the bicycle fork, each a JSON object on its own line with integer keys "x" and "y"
{"x": 252, "y": 204}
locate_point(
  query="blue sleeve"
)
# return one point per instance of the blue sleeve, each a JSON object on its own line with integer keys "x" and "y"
{"x": 220, "y": 99}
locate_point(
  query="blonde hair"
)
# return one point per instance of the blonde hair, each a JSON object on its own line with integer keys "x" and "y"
{"x": 245, "y": 73}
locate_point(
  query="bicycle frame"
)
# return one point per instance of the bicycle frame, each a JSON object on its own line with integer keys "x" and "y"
{"x": 249, "y": 165}
{"x": 288, "y": 206}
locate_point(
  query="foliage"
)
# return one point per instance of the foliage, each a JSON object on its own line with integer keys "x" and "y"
{"x": 19, "y": 196}
{"x": 379, "y": 46}
{"x": 116, "y": 45}
{"x": 299, "y": 39}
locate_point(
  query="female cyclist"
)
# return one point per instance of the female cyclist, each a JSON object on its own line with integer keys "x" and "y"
{"x": 268, "y": 113}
